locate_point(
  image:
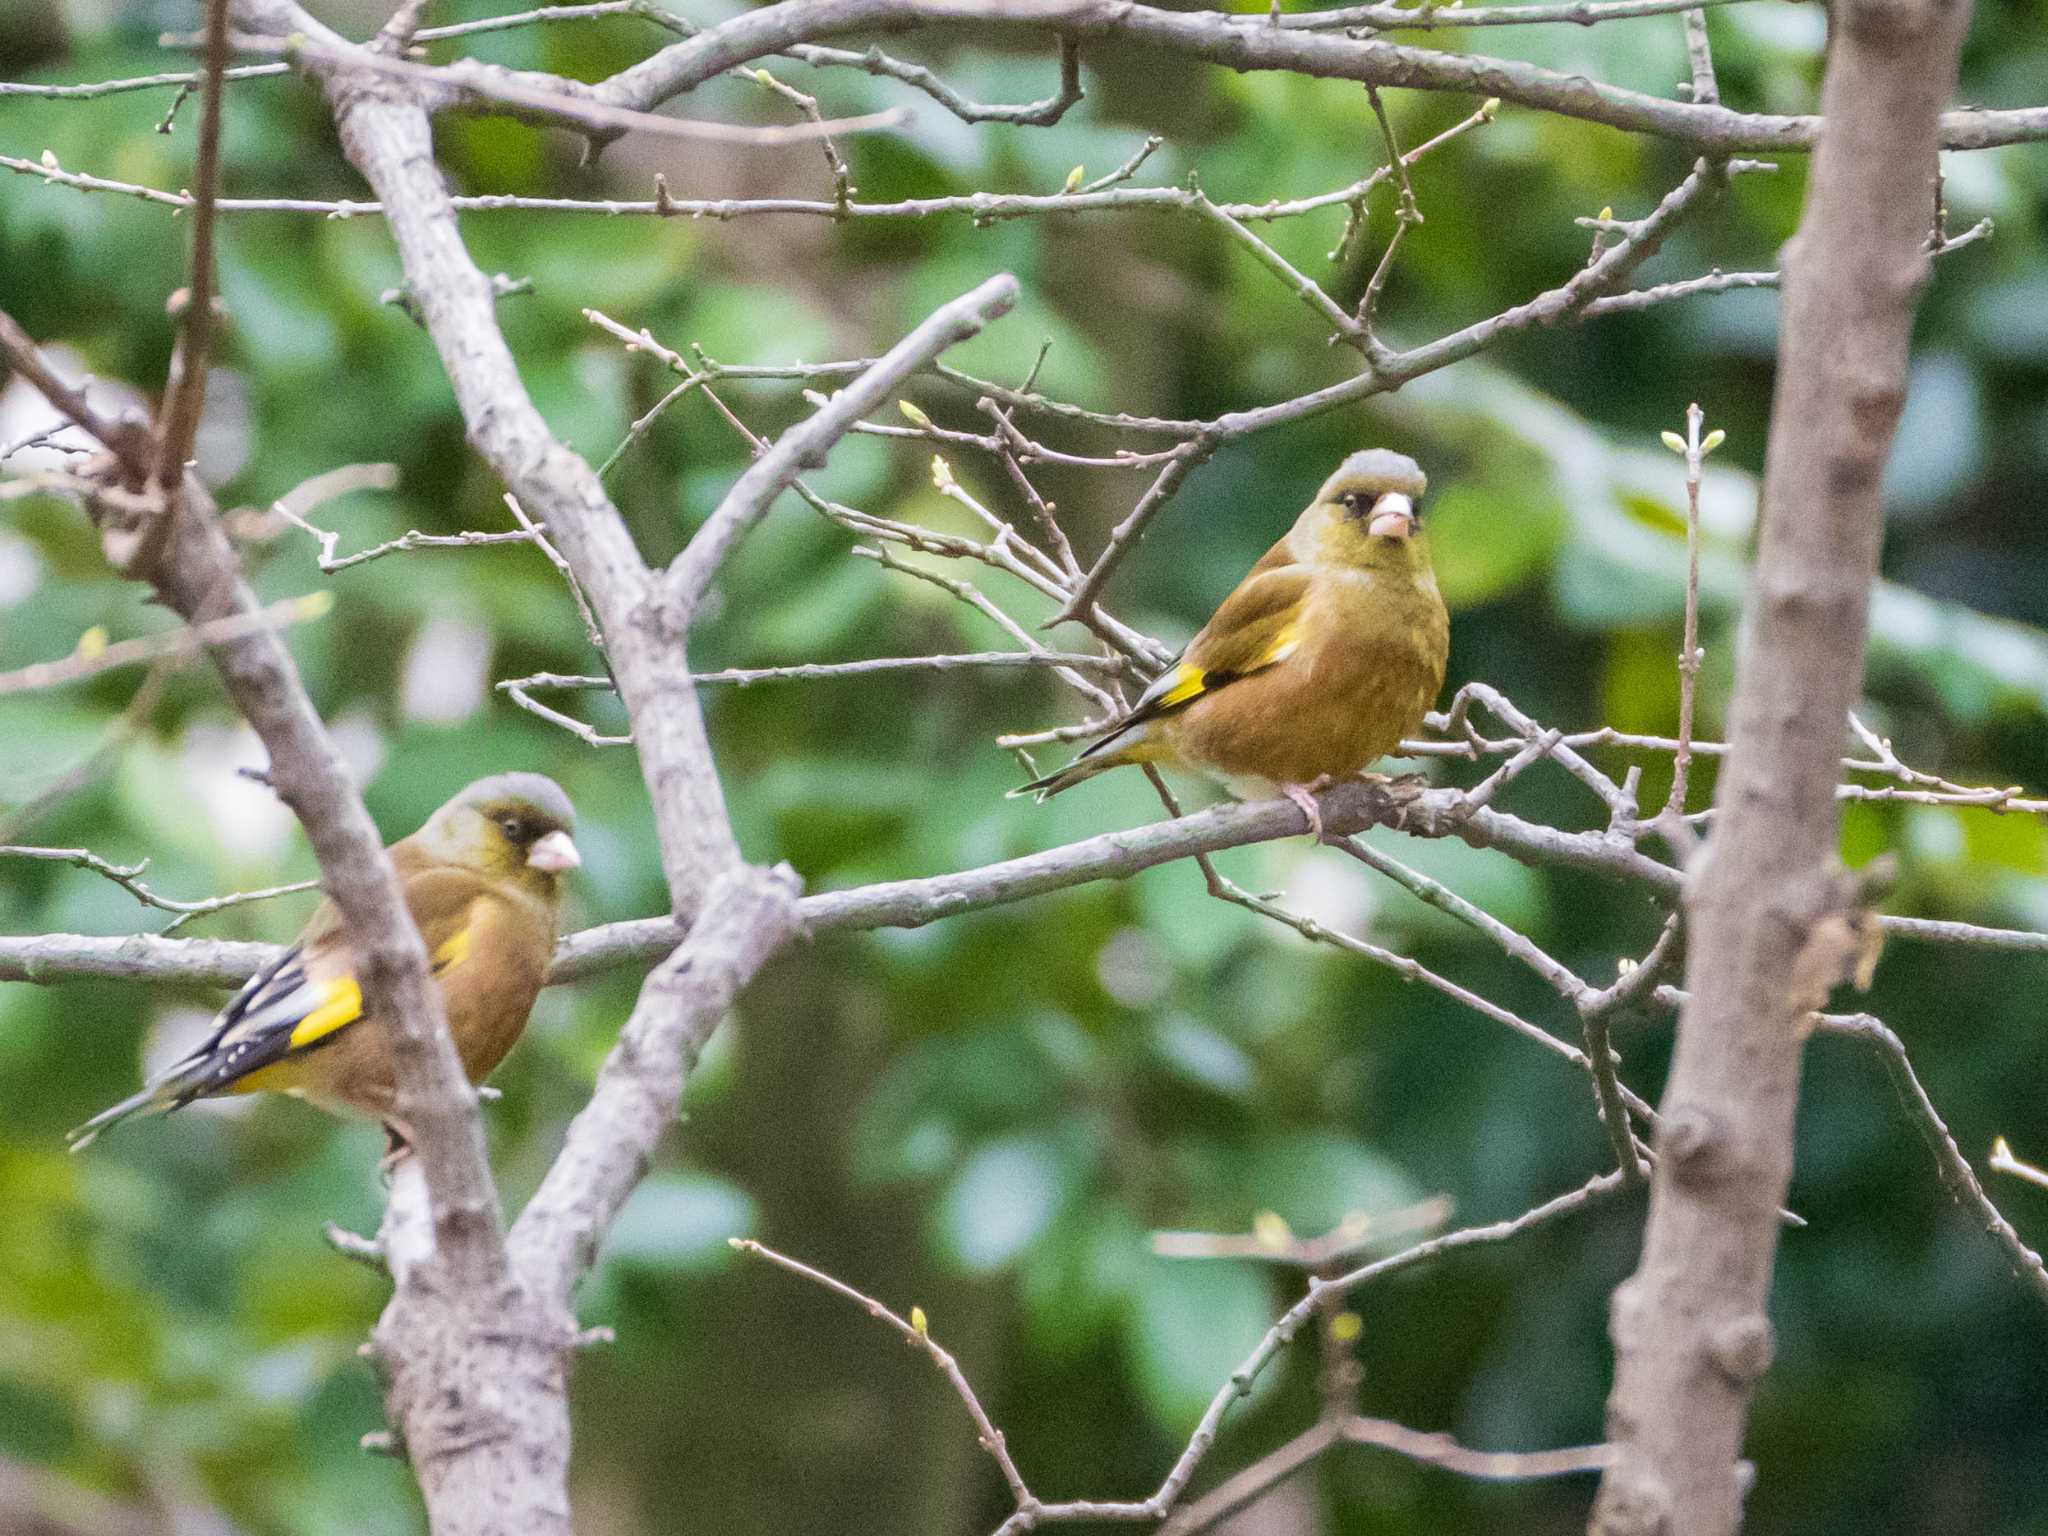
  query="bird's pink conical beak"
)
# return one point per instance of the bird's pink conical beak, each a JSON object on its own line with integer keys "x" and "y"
{"x": 554, "y": 853}
{"x": 1393, "y": 517}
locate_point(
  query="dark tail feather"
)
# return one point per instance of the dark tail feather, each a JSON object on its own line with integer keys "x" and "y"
{"x": 161, "y": 1095}
{"x": 1085, "y": 767}
{"x": 148, "y": 1102}
{"x": 1112, "y": 749}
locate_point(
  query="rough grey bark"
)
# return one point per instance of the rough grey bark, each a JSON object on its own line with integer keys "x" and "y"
{"x": 1247, "y": 41}
{"x": 1771, "y": 914}
{"x": 477, "y": 1371}
{"x": 459, "y": 1337}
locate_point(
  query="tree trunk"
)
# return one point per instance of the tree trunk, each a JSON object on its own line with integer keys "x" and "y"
{"x": 1765, "y": 901}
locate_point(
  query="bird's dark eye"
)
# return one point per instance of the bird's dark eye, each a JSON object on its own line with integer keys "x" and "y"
{"x": 514, "y": 828}
{"x": 1354, "y": 503}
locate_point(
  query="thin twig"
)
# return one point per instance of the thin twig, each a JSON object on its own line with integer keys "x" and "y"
{"x": 89, "y": 660}
{"x": 817, "y": 671}
{"x": 127, "y": 439}
{"x": 2002, "y": 1160}
{"x": 1957, "y": 1177}
{"x": 482, "y": 88}
{"x": 803, "y": 446}
{"x": 133, "y": 717}
{"x": 410, "y": 540}
{"x": 1358, "y": 1229}
{"x": 1439, "y": 1450}
{"x": 1690, "y": 655}
{"x": 918, "y": 1336}
{"x": 1127, "y": 533}
{"x": 185, "y": 393}
{"x": 1427, "y": 16}
{"x": 1406, "y": 212}
{"x": 127, "y": 877}
{"x": 591, "y": 629}
{"x": 519, "y": 694}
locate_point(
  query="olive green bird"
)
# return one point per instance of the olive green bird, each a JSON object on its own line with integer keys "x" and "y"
{"x": 482, "y": 881}
{"x": 1329, "y": 652}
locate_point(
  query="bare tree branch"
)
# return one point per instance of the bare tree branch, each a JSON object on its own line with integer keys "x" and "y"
{"x": 915, "y": 1333}
{"x": 803, "y": 447}
{"x": 128, "y": 877}
{"x": 128, "y": 440}
{"x": 1248, "y": 42}
{"x": 2002, "y": 1160}
{"x": 458, "y": 1242}
{"x": 1348, "y": 808}
{"x": 91, "y": 660}
{"x": 478, "y": 1357}
{"x": 561, "y": 104}
{"x": 1767, "y": 912}
{"x": 746, "y": 917}
{"x": 185, "y": 393}
{"x": 1957, "y": 1177}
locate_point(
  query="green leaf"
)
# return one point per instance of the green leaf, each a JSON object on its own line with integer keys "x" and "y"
{"x": 976, "y": 1081}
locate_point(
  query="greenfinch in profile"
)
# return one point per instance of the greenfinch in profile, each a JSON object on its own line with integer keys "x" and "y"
{"x": 1330, "y": 651}
{"x": 482, "y": 880}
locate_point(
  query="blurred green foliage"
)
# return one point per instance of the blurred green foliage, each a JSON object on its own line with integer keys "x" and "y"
{"x": 988, "y": 1116}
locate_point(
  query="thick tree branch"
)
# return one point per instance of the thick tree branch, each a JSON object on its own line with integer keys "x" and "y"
{"x": 747, "y": 916}
{"x": 385, "y": 133}
{"x": 1348, "y": 808}
{"x": 478, "y": 1377}
{"x": 1768, "y": 915}
{"x": 1249, "y": 42}
{"x": 737, "y": 915}
{"x": 456, "y": 1241}
{"x": 478, "y": 1360}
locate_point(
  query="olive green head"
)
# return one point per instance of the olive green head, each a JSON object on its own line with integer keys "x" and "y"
{"x": 1368, "y": 515}
{"x": 515, "y": 826}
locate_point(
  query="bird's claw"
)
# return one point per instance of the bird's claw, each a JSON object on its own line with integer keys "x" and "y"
{"x": 1304, "y": 796}
{"x": 396, "y": 1150}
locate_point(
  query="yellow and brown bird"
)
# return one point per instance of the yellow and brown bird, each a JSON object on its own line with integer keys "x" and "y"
{"x": 482, "y": 880}
{"x": 1328, "y": 653}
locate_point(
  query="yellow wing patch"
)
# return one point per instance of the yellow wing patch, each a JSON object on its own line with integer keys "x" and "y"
{"x": 1191, "y": 682}
{"x": 1284, "y": 645}
{"x": 1188, "y": 683}
{"x": 341, "y": 1000}
{"x": 452, "y": 952}
{"x": 341, "y": 1003}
